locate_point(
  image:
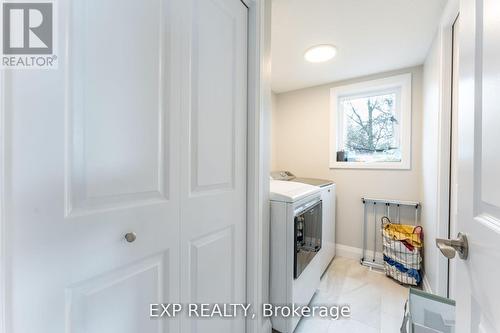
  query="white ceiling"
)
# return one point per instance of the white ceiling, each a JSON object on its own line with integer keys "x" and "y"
{"x": 372, "y": 36}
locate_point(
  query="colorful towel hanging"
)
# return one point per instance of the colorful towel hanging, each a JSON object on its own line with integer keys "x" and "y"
{"x": 408, "y": 234}
{"x": 410, "y": 271}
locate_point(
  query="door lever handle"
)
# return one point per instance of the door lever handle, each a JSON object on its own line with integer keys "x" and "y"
{"x": 449, "y": 247}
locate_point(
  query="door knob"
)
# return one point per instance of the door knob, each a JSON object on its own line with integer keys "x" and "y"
{"x": 130, "y": 237}
{"x": 449, "y": 247}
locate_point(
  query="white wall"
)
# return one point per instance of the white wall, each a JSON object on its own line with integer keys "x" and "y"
{"x": 429, "y": 194}
{"x": 301, "y": 145}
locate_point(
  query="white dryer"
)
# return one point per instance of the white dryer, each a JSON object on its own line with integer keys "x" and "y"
{"x": 296, "y": 239}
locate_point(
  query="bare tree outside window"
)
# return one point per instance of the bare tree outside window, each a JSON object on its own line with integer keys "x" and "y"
{"x": 371, "y": 124}
{"x": 371, "y": 128}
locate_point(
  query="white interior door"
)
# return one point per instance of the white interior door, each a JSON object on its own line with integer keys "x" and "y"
{"x": 476, "y": 285}
{"x": 213, "y": 181}
{"x": 127, "y": 136}
{"x": 91, "y": 155}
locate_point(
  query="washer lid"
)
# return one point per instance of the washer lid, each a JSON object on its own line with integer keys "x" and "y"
{"x": 287, "y": 191}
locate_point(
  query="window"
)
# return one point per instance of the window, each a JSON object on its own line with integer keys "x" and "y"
{"x": 371, "y": 124}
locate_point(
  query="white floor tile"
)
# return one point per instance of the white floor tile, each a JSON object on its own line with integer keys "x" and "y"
{"x": 390, "y": 324}
{"x": 350, "y": 326}
{"x": 313, "y": 325}
{"x": 376, "y": 301}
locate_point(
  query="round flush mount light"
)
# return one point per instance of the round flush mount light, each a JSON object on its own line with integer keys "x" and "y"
{"x": 320, "y": 53}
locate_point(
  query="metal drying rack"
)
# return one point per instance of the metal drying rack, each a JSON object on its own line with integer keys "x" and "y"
{"x": 397, "y": 204}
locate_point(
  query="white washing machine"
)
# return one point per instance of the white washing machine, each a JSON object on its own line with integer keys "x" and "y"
{"x": 296, "y": 239}
{"x": 328, "y": 196}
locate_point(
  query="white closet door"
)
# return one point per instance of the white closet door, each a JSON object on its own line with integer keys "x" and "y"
{"x": 142, "y": 130}
{"x": 213, "y": 171}
{"x": 91, "y": 154}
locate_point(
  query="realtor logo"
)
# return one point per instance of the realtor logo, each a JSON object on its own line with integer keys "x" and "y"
{"x": 28, "y": 35}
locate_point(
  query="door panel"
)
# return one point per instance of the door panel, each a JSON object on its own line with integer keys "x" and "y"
{"x": 490, "y": 136}
{"x": 213, "y": 185}
{"x": 214, "y": 94}
{"x": 117, "y": 110}
{"x": 220, "y": 284}
{"x": 127, "y": 291}
{"x": 476, "y": 284}
{"x": 93, "y": 153}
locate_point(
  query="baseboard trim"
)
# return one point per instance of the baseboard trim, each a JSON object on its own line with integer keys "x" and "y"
{"x": 348, "y": 251}
{"x": 352, "y": 252}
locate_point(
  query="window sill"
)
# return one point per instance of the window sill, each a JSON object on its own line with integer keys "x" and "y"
{"x": 371, "y": 165}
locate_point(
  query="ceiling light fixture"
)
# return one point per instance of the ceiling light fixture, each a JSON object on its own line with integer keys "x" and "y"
{"x": 320, "y": 53}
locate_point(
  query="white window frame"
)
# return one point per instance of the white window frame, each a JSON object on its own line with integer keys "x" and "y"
{"x": 399, "y": 82}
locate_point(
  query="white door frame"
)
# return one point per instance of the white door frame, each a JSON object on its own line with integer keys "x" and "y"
{"x": 259, "y": 98}
{"x": 258, "y": 211}
{"x": 445, "y": 34}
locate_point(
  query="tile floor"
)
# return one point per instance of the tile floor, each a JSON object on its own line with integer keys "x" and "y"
{"x": 377, "y": 302}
